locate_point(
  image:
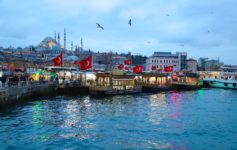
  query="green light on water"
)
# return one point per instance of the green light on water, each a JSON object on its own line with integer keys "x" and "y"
{"x": 37, "y": 111}
{"x": 200, "y": 92}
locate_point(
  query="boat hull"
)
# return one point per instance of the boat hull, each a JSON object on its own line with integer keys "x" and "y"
{"x": 181, "y": 86}
{"x": 108, "y": 91}
{"x": 221, "y": 84}
{"x": 147, "y": 88}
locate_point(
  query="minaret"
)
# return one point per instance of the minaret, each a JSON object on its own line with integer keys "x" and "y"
{"x": 65, "y": 40}
{"x": 81, "y": 47}
{"x": 71, "y": 45}
{"x": 55, "y": 36}
{"x": 58, "y": 38}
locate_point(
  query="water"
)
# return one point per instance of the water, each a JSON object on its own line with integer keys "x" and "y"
{"x": 203, "y": 119}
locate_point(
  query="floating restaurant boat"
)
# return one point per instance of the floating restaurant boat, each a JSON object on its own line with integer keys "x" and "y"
{"x": 153, "y": 82}
{"x": 187, "y": 81}
{"x": 114, "y": 83}
{"x": 223, "y": 80}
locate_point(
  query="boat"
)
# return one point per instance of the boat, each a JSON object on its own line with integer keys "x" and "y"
{"x": 223, "y": 80}
{"x": 154, "y": 82}
{"x": 114, "y": 84}
{"x": 186, "y": 81}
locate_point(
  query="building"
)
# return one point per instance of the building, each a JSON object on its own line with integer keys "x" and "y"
{"x": 202, "y": 63}
{"x": 229, "y": 68}
{"x": 164, "y": 59}
{"x": 213, "y": 65}
{"x": 138, "y": 59}
{"x": 192, "y": 65}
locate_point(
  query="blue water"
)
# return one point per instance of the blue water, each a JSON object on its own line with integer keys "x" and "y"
{"x": 203, "y": 119}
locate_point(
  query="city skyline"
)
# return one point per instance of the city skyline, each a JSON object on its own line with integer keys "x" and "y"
{"x": 203, "y": 29}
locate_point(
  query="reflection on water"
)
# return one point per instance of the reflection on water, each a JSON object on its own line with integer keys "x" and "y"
{"x": 37, "y": 113}
{"x": 158, "y": 108}
{"x": 172, "y": 120}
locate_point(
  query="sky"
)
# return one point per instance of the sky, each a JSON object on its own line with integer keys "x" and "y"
{"x": 203, "y": 28}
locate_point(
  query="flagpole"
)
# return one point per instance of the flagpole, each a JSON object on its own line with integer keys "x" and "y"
{"x": 92, "y": 62}
{"x": 62, "y": 60}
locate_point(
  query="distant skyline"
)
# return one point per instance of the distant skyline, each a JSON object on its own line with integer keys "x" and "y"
{"x": 200, "y": 28}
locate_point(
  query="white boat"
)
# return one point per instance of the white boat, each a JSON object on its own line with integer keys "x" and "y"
{"x": 224, "y": 80}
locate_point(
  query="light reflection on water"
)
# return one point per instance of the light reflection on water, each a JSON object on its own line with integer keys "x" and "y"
{"x": 202, "y": 119}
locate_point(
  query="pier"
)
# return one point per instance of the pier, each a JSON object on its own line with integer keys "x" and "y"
{"x": 25, "y": 91}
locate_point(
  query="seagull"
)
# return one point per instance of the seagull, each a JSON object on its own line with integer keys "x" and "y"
{"x": 130, "y": 22}
{"x": 99, "y": 26}
{"x": 167, "y": 15}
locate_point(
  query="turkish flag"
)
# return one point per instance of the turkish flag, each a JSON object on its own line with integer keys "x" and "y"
{"x": 76, "y": 62}
{"x": 137, "y": 69}
{"x": 58, "y": 61}
{"x": 169, "y": 69}
{"x": 160, "y": 70}
{"x": 153, "y": 68}
{"x": 86, "y": 63}
{"x": 128, "y": 62}
{"x": 120, "y": 67}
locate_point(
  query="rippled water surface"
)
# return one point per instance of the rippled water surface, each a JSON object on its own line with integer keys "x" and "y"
{"x": 203, "y": 119}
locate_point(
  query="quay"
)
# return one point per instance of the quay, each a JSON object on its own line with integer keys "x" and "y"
{"x": 24, "y": 91}
{"x": 110, "y": 83}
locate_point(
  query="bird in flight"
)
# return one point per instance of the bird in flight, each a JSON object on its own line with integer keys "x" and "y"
{"x": 167, "y": 15}
{"x": 130, "y": 22}
{"x": 99, "y": 26}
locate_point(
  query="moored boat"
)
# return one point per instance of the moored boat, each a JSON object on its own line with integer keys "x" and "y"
{"x": 224, "y": 80}
{"x": 114, "y": 84}
{"x": 154, "y": 82}
{"x": 187, "y": 81}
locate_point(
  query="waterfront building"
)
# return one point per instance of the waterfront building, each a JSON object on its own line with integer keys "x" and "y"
{"x": 229, "y": 68}
{"x": 164, "y": 59}
{"x": 213, "y": 65}
{"x": 202, "y": 63}
{"x": 192, "y": 65}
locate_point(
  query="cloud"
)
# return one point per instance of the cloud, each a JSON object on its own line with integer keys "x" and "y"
{"x": 77, "y": 7}
{"x": 205, "y": 28}
{"x": 134, "y": 13}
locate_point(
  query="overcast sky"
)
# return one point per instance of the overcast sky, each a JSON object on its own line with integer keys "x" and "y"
{"x": 203, "y": 28}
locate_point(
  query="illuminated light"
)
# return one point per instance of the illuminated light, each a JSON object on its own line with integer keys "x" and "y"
{"x": 37, "y": 113}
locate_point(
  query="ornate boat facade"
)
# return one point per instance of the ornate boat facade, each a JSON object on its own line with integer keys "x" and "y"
{"x": 114, "y": 84}
{"x": 186, "y": 81}
{"x": 153, "y": 82}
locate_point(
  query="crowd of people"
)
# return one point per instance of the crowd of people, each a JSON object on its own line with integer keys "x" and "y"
{"x": 21, "y": 80}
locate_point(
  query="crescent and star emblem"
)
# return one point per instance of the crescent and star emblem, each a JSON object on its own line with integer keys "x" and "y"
{"x": 87, "y": 63}
{"x": 59, "y": 60}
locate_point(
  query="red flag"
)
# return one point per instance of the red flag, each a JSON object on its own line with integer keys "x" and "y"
{"x": 153, "y": 68}
{"x": 58, "y": 61}
{"x": 169, "y": 69}
{"x": 128, "y": 62}
{"x": 86, "y": 63}
{"x": 160, "y": 70}
{"x": 137, "y": 69}
{"x": 120, "y": 67}
{"x": 76, "y": 62}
